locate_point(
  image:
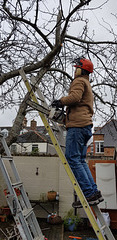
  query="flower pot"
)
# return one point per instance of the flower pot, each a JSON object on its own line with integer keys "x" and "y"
{"x": 71, "y": 227}
{"x": 51, "y": 195}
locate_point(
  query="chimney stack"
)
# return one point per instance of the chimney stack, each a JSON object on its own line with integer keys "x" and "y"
{"x": 33, "y": 125}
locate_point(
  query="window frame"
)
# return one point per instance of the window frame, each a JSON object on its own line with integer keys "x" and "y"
{"x": 99, "y": 146}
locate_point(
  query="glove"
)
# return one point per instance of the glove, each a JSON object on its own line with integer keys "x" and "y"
{"x": 57, "y": 104}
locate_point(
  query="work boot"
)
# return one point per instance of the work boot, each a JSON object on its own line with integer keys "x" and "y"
{"x": 100, "y": 197}
{"x": 93, "y": 200}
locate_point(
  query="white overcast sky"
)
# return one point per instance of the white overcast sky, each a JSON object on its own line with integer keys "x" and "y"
{"x": 95, "y": 17}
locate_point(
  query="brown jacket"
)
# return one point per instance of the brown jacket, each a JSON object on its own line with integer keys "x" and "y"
{"x": 79, "y": 103}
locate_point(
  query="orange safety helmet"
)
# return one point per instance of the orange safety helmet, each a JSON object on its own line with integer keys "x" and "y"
{"x": 84, "y": 63}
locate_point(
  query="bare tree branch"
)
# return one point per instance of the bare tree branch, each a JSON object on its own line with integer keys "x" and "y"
{"x": 38, "y": 37}
{"x": 16, "y": 18}
{"x": 90, "y": 42}
{"x": 37, "y": 10}
{"x": 81, "y": 4}
{"x": 28, "y": 69}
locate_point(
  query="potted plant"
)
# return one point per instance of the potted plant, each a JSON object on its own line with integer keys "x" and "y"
{"x": 71, "y": 221}
{"x": 51, "y": 195}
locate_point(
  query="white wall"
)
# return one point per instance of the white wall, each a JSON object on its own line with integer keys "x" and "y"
{"x": 52, "y": 175}
{"x": 66, "y": 191}
{"x": 44, "y": 148}
{"x": 27, "y": 147}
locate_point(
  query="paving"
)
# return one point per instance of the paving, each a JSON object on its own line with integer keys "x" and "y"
{"x": 55, "y": 231}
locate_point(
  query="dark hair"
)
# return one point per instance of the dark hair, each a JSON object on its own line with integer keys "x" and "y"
{"x": 85, "y": 72}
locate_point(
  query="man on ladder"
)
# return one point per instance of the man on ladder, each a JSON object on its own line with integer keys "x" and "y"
{"x": 79, "y": 114}
{"x": 61, "y": 155}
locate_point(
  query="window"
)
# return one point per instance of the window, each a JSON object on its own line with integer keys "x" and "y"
{"x": 35, "y": 148}
{"x": 91, "y": 147}
{"x": 99, "y": 147}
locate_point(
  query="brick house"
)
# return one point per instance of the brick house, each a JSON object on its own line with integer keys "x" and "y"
{"x": 105, "y": 140}
{"x": 102, "y": 160}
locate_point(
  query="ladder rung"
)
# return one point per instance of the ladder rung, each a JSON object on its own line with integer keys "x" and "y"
{"x": 27, "y": 212}
{"x": 7, "y": 158}
{"x": 104, "y": 226}
{"x": 1, "y": 134}
{"x": 17, "y": 184}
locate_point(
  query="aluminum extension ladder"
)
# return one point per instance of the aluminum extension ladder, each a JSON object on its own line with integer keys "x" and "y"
{"x": 17, "y": 199}
{"x": 37, "y": 96}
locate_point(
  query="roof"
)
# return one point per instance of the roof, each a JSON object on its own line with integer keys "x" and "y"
{"x": 109, "y": 130}
{"x": 33, "y": 136}
{"x": 27, "y": 135}
{"x": 41, "y": 129}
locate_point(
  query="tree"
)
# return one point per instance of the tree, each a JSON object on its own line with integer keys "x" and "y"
{"x": 36, "y": 35}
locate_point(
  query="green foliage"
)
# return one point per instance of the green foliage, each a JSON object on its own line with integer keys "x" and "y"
{"x": 70, "y": 218}
{"x": 35, "y": 151}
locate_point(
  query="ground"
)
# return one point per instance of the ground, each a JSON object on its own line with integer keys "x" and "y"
{"x": 52, "y": 232}
{"x": 85, "y": 234}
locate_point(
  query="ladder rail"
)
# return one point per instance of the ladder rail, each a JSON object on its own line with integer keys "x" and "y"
{"x": 103, "y": 223}
{"x": 20, "y": 206}
{"x": 65, "y": 163}
{"x": 6, "y": 177}
{"x": 16, "y": 174}
{"x": 8, "y": 153}
{"x": 44, "y": 104}
{"x": 20, "y": 221}
{"x": 11, "y": 197}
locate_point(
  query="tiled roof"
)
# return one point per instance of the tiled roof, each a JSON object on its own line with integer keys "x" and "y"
{"x": 109, "y": 130}
{"x": 29, "y": 136}
{"x": 33, "y": 136}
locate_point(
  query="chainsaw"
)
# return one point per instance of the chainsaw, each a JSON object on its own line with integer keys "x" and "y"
{"x": 54, "y": 114}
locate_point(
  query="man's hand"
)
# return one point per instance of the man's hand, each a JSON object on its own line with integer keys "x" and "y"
{"x": 57, "y": 104}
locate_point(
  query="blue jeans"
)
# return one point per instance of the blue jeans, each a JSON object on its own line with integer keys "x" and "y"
{"x": 76, "y": 148}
